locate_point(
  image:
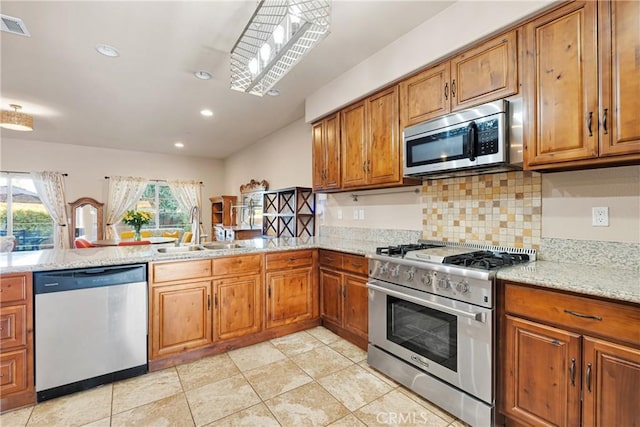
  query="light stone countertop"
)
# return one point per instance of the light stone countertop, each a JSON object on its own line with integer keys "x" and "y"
{"x": 613, "y": 283}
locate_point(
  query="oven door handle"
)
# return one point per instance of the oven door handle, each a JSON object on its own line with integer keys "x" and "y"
{"x": 480, "y": 317}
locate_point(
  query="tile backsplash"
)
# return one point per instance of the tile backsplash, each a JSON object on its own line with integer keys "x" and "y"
{"x": 502, "y": 209}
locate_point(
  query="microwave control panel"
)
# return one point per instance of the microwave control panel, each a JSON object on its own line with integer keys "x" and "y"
{"x": 487, "y": 138}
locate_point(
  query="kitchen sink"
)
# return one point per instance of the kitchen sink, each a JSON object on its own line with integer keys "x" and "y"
{"x": 221, "y": 245}
{"x": 179, "y": 249}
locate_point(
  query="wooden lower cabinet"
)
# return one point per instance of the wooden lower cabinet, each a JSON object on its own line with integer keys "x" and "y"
{"x": 291, "y": 287}
{"x": 17, "y": 381}
{"x": 343, "y": 295}
{"x": 237, "y": 306}
{"x": 569, "y": 360}
{"x": 208, "y": 306}
{"x": 180, "y": 317}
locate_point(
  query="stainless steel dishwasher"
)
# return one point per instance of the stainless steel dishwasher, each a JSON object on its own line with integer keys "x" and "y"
{"x": 90, "y": 327}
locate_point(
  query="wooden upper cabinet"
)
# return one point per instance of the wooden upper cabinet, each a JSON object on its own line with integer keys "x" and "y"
{"x": 619, "y": 55}
{"x": 371, "y": 149}
{"x": 326, "y": 153}
{"x": 562, "y": 73}
{"x": 383, "y": 148}
{"x": 583, "y": 85}
{"x": 354, "y": 145}
{"x": 484, "y": 73}
{"x": 425, "y": 95}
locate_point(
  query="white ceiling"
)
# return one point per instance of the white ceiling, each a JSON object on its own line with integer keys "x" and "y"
{"x": 148, "y": 98}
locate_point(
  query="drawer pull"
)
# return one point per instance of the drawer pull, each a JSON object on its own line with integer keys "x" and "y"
{"x": 572, "y": 371}
{"x": 356, "y": 265}
{"x": 329, "y": 259}
{"x": 584, "y": 316}
{"x": 588, "y": 379}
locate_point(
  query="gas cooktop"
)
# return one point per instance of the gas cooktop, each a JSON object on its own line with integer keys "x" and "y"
{"x": 485, "y": 258}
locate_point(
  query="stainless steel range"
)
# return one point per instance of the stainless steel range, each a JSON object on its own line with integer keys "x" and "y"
{"x": 432, "y": 322}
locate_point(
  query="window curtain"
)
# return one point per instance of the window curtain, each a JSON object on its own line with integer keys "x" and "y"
{"x": 187, "y": 194}
{"x": 50, "y": 189}
{"x": 124, "y": 192}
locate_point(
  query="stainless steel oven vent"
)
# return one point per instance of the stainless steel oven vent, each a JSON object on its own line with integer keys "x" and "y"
{"x": 14, "y": 25}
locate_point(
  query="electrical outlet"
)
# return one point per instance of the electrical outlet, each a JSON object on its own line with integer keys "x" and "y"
{"x": 355, "y": 214}
{"x": 339, "y": 213}
{"x": 361, "y": 214}
{"x": 600, "y": 216}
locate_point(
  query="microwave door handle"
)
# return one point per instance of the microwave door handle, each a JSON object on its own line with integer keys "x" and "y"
{"x": 472, "y": 140}
{"x": 480, "y": 317}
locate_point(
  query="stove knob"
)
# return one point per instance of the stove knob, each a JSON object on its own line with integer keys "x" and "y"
{"x": 411, "y": 273}
{"x": 384, "y": 268}
{"x": 444, "y": 283}
{"x": 426, "y": 279}
{"x": 462, "y": 287}
{"x": 395, "y": 271}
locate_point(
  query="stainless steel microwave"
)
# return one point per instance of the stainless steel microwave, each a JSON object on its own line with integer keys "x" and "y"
{"x": 483, "y": 139}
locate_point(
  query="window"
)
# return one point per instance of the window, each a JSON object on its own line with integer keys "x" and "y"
{"x": 158, "y": 199}
{"x": 23, "y": 215}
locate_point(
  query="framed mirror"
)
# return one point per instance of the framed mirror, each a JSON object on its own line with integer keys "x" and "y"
{"x": 86, "y": 219}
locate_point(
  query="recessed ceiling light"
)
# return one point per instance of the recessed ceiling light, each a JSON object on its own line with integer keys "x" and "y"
{"x": 107, "y": 50}
{"x": 178, "y": 145}
{"x": 206, "y": 113}
{"x": 203, "y": 75}
{"x": 273, "y": 92}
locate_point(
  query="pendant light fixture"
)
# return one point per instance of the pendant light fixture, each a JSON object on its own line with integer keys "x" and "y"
{"x": 278, "y": 35}
{"x": 15, "y": 120}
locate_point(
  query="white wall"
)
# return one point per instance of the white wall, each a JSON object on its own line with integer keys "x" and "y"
{"x": 459, "y": 25}
{"x": 87, "y": 167}
{"x": 282, "y": 158}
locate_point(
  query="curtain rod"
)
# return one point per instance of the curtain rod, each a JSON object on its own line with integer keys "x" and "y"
{"x": 154, "y": 180}
{"x": 26, "y": 173}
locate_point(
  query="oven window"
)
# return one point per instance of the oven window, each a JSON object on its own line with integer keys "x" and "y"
{"x": 427, "y": 332}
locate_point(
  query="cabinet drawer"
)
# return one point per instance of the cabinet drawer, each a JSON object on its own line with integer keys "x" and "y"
{"x": 13, "y": 289}
{"x": 590, "y": 316}
{"x": 330, "y": 259}
{"x": 181, "y": 270}
{"x": 13, "y": 372}
{"x": 13, "y": 326}
{"x": 355, "y": 264}
{"x": 292, "y": 259}
{"x": 237, "y": 265}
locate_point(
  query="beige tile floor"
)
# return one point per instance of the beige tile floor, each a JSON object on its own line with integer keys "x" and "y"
{"x": 310, "y": 378}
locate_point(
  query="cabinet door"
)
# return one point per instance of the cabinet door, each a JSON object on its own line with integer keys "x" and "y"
{"x": 332, "y": 176}
{"x": 542, "y": 374}
{"x": 289, "y": 296}
{"x": 181, "y": 317}
{"x": 383, "y": 161}
{"x": 619, "y": 56}
{"x": 425, "y": 95}
{"x": 611, "y": 386}
{"x": 236, "y": 306}
{"x": 331, "y": 296}
{"x": 319, "y": 155}
{"x": 485, "y": 73}
{"x": 356, "y": 305}
{"x": 561, "y": 81}
{"x": 354, "y": 150}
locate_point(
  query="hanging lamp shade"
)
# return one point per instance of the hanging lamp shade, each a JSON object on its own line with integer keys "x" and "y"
{"x": 15, "y": 120}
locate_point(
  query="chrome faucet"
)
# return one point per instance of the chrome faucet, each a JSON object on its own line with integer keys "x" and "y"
{"x": 194, "y": 217}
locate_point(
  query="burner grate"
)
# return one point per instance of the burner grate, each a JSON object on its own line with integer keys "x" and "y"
{"x": 401, "y": 250}
{"x": 487, "y": 260}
